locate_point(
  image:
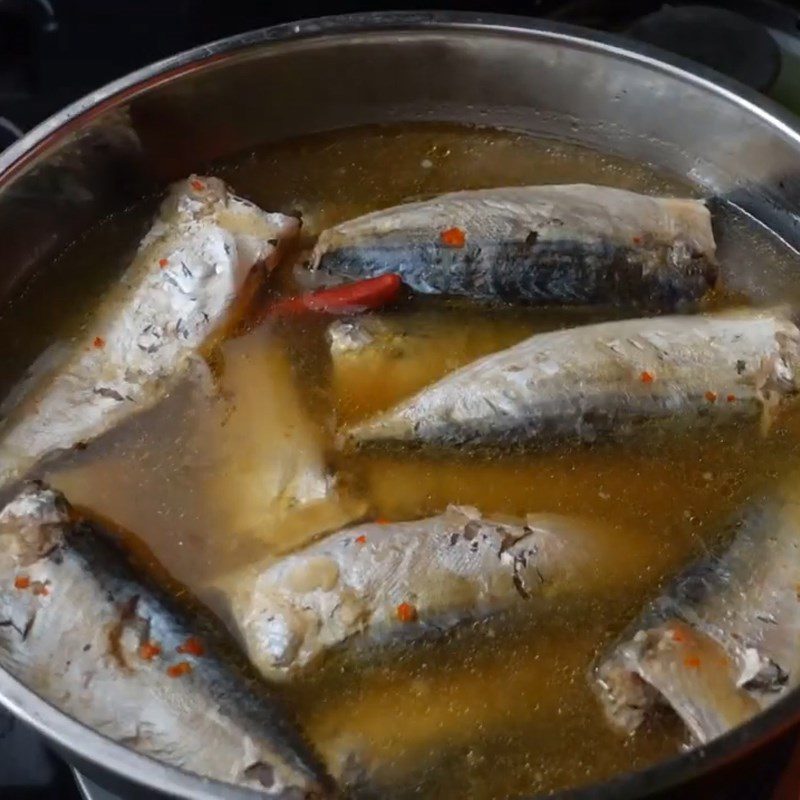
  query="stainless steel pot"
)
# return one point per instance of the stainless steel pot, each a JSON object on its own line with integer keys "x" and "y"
{"x": 175, "y": 116}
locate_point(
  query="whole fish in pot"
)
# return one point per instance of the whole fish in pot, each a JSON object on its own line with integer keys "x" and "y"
{"x": 564, "y": 244}
{"x": 721, "y": 642}
{"x": 375, "y": 582}
{"x": 204, "y": 257}
{"x": 86, "y": 629}
{"x": 604, "y": 380}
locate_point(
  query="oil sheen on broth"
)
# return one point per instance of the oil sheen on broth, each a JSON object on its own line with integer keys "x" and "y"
{"x": 497, "y": 708}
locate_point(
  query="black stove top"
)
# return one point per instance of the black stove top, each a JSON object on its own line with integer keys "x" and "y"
{"x": 54, "y": 51}
{"x": 28, "y": 770}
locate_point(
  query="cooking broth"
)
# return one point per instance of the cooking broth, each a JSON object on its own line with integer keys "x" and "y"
{"x": 497, "y": 708}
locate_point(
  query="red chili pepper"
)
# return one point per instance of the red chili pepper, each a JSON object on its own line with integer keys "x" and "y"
{"x": 179, "y": 669}
{"x": 359, "y": 296}
{"x": 193, "y": 646}
{"x": 453, "y": 237}
{"x": 149, "y": 650}
{"x": 406, "y": 612}
{"x": 99, "y": 342}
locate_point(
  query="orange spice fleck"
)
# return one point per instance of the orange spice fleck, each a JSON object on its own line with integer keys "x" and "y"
{"x": 149, "y": 650}
{"x": 692, "y": 662}
{"x": 453, "y": 237}
{"x": 162, "y": 262}
{"x": 99, "y": 342}
{"x": 406, "y": 612}
{"x": 179, "y": 669}
{"x": 711, "y": 397}
{"x": 637, "y": 239}
{"x": 361, "y": 539}
{"x": 647, "y": 377}
{"x": 40, "y": 589}
{"x": 198, "y": 186}
{"x": 193, "y": 646}
{"x": 731, "y": 398}
{"x": 677, "y": 636}
{"x": 22, "y": 582}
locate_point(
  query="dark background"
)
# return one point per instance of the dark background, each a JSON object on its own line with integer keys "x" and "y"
{"x": 52, "y": 51}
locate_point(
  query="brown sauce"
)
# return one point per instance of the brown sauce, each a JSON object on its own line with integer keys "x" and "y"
{"x": 501, "y": 707}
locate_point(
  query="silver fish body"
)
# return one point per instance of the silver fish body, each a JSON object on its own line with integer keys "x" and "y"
{"x": 568, "y": 244}
{"x": 607, "y": 379}
{"x": 373, "y": 582}
{"x": 721, "y": 643}
{"x": 74, "y": 617}
{"x": 190, "y": 270}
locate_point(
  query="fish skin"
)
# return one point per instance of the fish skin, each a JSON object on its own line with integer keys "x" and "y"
{"x": 191, "y": 269}
{"x": 564, "y": 244}
{"x": 451, "y": 568}
{"x": 607, "y": 379}
{"x": 720, "y": 643}
{"x": 77, "y": 646}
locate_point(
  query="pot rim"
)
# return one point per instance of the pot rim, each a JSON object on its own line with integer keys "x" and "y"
{"x": 91, "y": 746}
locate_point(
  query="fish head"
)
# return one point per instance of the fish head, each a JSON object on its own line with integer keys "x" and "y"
{"x": 31, "y": 525}
{"x": 626, "y": 696}
{"x": 296, "y": 610}
{"x": 279, "y": 632}
{"x": 194, "y": 196}
{"x": 675, "y": 666}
